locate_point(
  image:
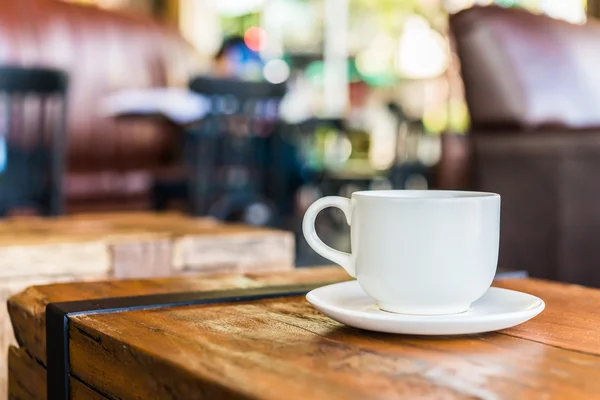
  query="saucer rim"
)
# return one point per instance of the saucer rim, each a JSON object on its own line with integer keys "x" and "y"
{"x": 382, "y": 315}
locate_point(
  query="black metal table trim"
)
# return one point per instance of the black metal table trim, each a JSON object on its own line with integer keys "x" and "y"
{"x": 58, "y": 314}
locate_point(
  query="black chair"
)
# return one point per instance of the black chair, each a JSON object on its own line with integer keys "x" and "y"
{"x": 32, "y": 140}
{"x": 229, "y": 155}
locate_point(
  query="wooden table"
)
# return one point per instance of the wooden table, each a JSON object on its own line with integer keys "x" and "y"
{"x": 130, "y": 245}
{"x": 282, "y": 348}
{"x": 37, "y": 251}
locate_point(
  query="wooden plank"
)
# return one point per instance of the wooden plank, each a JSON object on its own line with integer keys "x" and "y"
{"x": 65, "y": 245}
{"x": 266, "y": 348}
{"x": 9, "y": 288}
{"x": 27, "y": 308}
{"x": 571, "y": 319}
{"x": 163, "y": 244}
{"x": 233, "y": 250}
{"x": 37, "y": 250}
{"x": 82, "y": 228}
{"x": 54, "y": 259}
{"x": 261, "y": 349}
{"x": 205, "y": 245}
{"x": 28, "y": 379}
{"x": 142, "y": 258}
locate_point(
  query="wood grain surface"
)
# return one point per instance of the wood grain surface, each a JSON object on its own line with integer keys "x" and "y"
{"x": 21, "y": 364}
{"x": 283, "y": 348}
{"x": 571, "y": 319}
{"x": 36, "y": 250}
{"x": 9, "y": 287}
{"x": 137, "y": 245}
{"x": 27, "y": 308}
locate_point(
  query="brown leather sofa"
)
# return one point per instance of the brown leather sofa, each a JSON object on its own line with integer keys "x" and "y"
{"x": 533, "y": 90}
{"x": 110, "y": 163}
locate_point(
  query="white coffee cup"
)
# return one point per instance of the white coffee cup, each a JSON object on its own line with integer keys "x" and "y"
{"x": 417, "y": 251}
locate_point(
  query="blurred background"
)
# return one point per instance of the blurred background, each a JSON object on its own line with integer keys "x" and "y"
{"x": 249, "y": 110}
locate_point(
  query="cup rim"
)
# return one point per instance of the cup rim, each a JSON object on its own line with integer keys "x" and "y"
{"x": 425, "y": 195}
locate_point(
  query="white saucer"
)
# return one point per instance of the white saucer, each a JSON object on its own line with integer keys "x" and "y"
{"x": 497, "y": 309}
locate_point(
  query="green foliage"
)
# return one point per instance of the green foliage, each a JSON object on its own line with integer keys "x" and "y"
{"x": 237, "y": 26}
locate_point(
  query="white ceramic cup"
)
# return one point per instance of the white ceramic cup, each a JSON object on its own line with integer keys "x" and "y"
{"x": 417, "y": 251}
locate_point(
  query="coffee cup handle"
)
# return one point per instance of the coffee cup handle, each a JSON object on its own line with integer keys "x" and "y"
{"x": 313, "y": 240}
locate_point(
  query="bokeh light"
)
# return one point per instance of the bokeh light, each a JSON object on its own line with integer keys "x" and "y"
{"x": 276, "y": 71}
{"x": 423, "y": 52}
{"x": 377, "y": 58}
{"x": 453, "y": 6}
{"x": 508, "y": 3}
{"x": 569, "y": 10}
{"x": 234, "y": 8}
{"x": 255, "y": 38}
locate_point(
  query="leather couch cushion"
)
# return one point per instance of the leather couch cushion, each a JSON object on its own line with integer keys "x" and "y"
{"x": 526, "y": 70}
{"x": 103, "y": 52}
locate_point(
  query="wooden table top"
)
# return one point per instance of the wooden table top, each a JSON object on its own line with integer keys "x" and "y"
{"x": 125, "y": 245}
{"x": 137, "y": 245}
{"x": 283, "y": 348}
{"x": 112, "y": 227}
